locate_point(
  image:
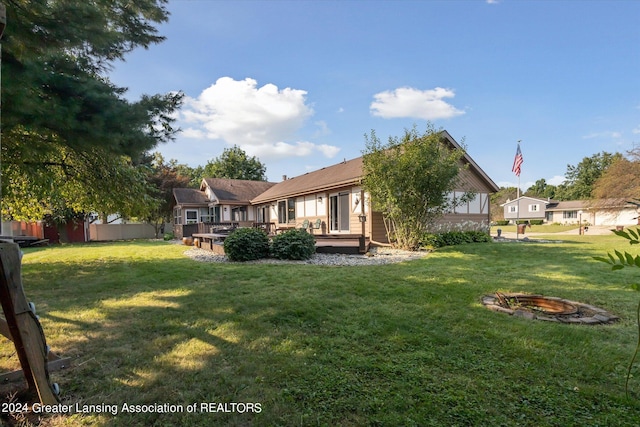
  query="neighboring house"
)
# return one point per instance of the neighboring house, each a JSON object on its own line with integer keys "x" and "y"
{"x": 525, "y": 209}
{"x": 332, "y": 198}
{"x": 613, "y": 212}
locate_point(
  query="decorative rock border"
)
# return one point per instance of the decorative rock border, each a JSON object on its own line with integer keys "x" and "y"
{"x": 586, "y": 315}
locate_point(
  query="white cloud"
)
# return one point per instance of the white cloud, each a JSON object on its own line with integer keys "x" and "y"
{"x": 605, "y": 134}
{"x": 556, "y": 180}
{"x": 263, "y": 121}
{"x": 415, "y": 103}
{"x": 192, "y": 133}
{"x": 329, "y": 151}
{"x": 323, "y": 128}
{"x": 636, "y": 131}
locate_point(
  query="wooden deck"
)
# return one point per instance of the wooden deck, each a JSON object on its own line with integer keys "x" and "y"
{"x": 211, "y": 241}
{"x": 341, "y": 243}
{"x": 325, "y": 243}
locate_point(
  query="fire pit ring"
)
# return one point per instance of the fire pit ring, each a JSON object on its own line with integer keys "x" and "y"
{"x": 539, "y": 307}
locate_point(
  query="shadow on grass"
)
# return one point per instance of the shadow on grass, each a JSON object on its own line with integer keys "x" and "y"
{"x": 387, "y": 345}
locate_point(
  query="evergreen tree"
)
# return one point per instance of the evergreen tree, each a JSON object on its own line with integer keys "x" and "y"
{"x": 69, "y": 136}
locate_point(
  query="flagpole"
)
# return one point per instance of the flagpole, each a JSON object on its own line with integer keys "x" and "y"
{"x": 517, "y": 163}
{"x": 518, "y": 209}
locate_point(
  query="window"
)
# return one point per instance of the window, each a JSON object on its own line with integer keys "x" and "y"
{"x": 282, "y": 212}
{"x": 534, "y": 208}
{"x": 291, "y": 210}
{"x": 339, "y": 212}
{"x": 570, "y": 214}
{"x": 192, "y": 216}
{"x": 513, "y": 209}
{"x": 239, "y": 213}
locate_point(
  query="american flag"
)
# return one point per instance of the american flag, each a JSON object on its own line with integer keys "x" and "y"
{"x": 517, "y": 162}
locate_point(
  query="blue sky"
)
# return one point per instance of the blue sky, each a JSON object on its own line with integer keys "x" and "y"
{"x": 299, "y": 83}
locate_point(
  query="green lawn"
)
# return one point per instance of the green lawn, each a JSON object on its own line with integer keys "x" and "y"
{"x": 395, "y": 345}
{"x": 544, "y": 228}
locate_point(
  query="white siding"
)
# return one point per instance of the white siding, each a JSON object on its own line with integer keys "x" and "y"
{"x": 310, "y": 205}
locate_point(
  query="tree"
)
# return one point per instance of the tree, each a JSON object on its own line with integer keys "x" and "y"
{"x": 235, "y": 164}
{"x": 163, "y": 178}
{"x": 541, "y": 190}
{"x": 581, "y": 178}
{"x": 619, "y": 260}
{"x": 621, "y": 180}
{"x": 195, "y": 174}
{"x": 70, "y": 140}
{"x": 499, "y": 198}
{"x": 409, "y": 180}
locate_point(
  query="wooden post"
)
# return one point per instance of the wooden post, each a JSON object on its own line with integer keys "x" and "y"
{"x": 24, "y": 327}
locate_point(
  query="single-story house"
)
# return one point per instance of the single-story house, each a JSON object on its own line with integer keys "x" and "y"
{"x": 610, "y": 212}
{"x": 218, "y": 200}
{"x": 329, "y": 201}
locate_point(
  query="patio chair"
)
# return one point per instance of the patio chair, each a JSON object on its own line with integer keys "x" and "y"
{"x": 305, "y": 224}
{"x": 316, "y": 225}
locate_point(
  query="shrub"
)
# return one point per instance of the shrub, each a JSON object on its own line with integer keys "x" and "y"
{"x": 168, "y": 236}
{"x": 246, "y": 244}
{"x": 536, "y": 222}
{"x": 502, "y": 222}
{"x": 293, "y": 244}
{"x": 452, "y": 238}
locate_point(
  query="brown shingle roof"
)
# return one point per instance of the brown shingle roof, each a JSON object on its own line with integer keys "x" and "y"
{"x": 189, "y": 196}
{"x": 589, "y": 204}
{"x": 345, "y": 173}
{"x": 232, "y": 191}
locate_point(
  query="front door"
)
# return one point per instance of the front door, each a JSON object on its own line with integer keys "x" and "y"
{"x": 339, "y": 212}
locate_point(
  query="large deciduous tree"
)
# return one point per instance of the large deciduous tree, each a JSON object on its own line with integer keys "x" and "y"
{"x": 234, "y": 163}
{"x": 621, "y": 180}
{"x": 581, "y": 178}
{"x": 409, "y": 180}
{"x": 70, "y": 139}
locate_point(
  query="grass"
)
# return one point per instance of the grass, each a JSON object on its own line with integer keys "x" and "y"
{"x": 544, "y": 228}
{"x": 405, "y": 344}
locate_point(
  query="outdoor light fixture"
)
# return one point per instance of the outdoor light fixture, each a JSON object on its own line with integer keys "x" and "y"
{"x": 320, "y": 199}
{"x": 362, "y": 218}
{"x": 579, "y": 222}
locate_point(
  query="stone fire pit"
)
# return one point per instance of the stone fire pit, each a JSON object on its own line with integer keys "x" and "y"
{"x": 551, "y": 309}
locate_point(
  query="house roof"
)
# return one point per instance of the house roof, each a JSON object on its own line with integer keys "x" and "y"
{"x": 189, "y": 196}
{"x": 546, "y": 202}
{"x": 348, "y": 172}
{"x": 471, "y": 162}
{"x": 572, "y": 205}
{"x": 235, "y": 191}
{"x": 345, "y": 173}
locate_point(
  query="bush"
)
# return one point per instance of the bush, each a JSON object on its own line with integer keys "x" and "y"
{"x": 536, "y": 222}
{"x": 502, "y": 222}
{"x": 168, "y": 236}
{"x": 246, "y": 244}
{"x": 293, "y": 244}
{"x": 452, "y": 238}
